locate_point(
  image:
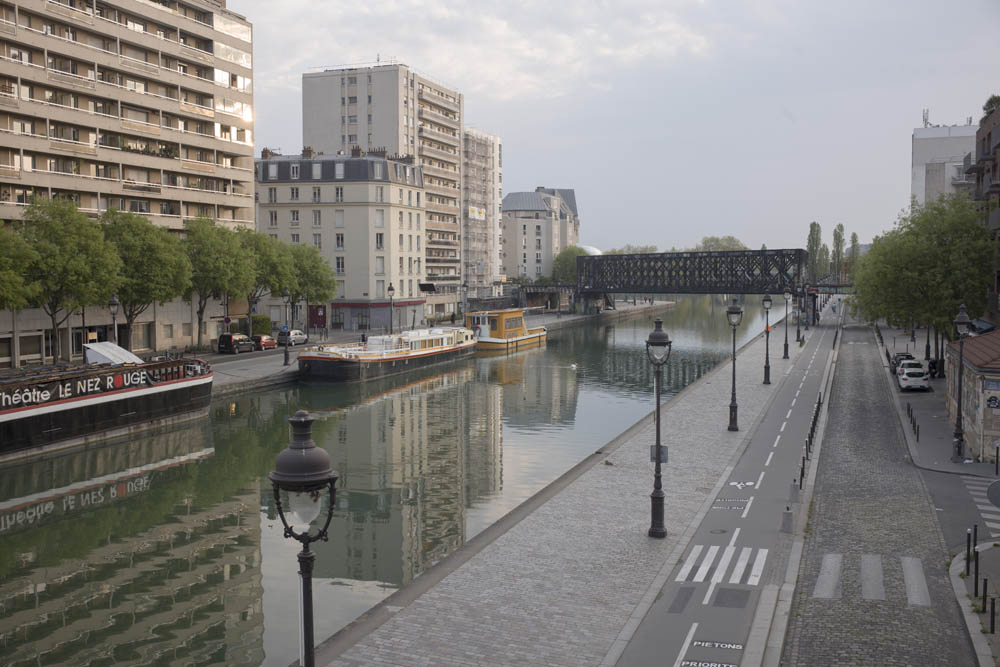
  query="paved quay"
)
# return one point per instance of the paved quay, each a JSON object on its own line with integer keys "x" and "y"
{"x": 567, "y": 577}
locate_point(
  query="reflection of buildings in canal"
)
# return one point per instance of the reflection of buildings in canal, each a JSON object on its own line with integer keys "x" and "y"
{"x": 92, "y": 582}
{"x": 537, "y": 389}
{"x": 411, "y": 460}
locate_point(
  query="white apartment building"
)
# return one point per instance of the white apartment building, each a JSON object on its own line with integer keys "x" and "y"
{"x": 365, "y": 212}
{"x": 937, "y": 161}
{"x": 482, "y": 194}
{"x": 537, "y": 226}
{"x": 135, "y": 105}
{"x": 392, "y": 108}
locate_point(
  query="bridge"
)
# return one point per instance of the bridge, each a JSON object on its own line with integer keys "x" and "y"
{"x": 714, "y": 272}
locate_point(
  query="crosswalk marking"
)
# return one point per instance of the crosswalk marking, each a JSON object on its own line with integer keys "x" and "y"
{"x": 701, "y": 565}
{"x": 976, "y": 488}
{"x": 758, "y": 568}
{"x": 872, "y": 578}
{"x": 916, "y": 584}
{"x": 689, "y": 563}
{"x": 829, "y": 576}
{"x": 720, "y": 571}
{"x": 706, "y": 563}
{"x": 741, "y": 564}
{"x": 872, "y": 584}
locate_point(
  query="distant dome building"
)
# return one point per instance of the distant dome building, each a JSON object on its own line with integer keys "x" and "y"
{"x": 591, "y": 250}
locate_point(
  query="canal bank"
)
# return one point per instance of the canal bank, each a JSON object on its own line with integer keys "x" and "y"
{"x": 566, "y": 577}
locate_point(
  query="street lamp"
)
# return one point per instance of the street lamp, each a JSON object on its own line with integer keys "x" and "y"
{"x": 113, "y": 305}
{"x": 302, "y": 471}
{"x": 766, "y": 302}
{"x": 288, "y": 333}
{"x": 788, "y": 297}
{"x": 735, "y": 315}
{"x": 391, "y": 291}
{"x": 465, "y": 298}
{"x": 962, "y": 324}
{"x": 658, "y": 350}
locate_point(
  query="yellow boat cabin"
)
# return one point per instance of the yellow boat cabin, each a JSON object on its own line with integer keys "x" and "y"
{"x": 503, "y": 330}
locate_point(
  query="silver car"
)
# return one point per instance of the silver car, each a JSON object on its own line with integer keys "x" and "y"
{"x": 295, "y": 337}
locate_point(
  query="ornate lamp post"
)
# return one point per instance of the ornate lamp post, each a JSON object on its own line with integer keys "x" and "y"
{"x": 962, "y": 324}
{"x": 734, "y": 314}
{"x": 302, "y": 472}
{"x": 766, "y": 302}
{"x": 288, "y": 333}
{"x": 391, "y": 291}
{"x": 788, "y": 297}
{"x": 113, "y": 306}
{"x": 658, "y": 351}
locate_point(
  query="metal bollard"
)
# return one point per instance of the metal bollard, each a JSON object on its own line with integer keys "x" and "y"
{"x": 968, "y": 549}
{"x": 985, "y": 581}
{"x": 993, "y": 616}
{"x": 975, "y": 536}
{"x": 996, "y": 462}
{"x": 975, "y": 566}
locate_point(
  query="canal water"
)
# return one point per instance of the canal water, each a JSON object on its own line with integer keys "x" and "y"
{"x": 167, "y": 549}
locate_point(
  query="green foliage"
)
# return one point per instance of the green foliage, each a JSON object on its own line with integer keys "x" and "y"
{"x": 935, "y": 259}
{"x": 261, "y": 325}
{"x": 852, "y": 255}
{"x": 545, "y": 280}
{"x": 15, "y": 257}
{"x": 838, "y": 251}
{"x": 629, "y": 249}
{"x": 154, "y": 266}
{"x": 219, "y": 264}
{"x": 564, "y": 265}
{"x": 73, "y": 265}
{"x": 272, "y": 263}
{"x": 519, "y": 280}
{"x": 313, "y": 280}
{"x": 813, "y": 244}
{"x": 822, "y": 262}
{"x": 991, "y": 105}
{"x": 709, "y": 243}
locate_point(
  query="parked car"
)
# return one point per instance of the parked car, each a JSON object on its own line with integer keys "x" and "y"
{"x": 264, "y": 342}
{"x": 913, "y": 378}
{"x": 899, "y": 356}
{"x": 295, "y": 337}
{"x": 909, "y": 365}
{"x": 235, "y": 343}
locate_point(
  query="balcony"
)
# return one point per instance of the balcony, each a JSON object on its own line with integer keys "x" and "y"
{"x": 436, "y": 135}
{"x": 438, "y": 101}
{"x": 429, "y": 113}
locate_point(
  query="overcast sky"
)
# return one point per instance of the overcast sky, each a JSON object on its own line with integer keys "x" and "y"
{"x": 674, "y": 119}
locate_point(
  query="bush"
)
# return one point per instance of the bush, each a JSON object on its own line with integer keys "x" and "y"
{"x": 261, "y": 325}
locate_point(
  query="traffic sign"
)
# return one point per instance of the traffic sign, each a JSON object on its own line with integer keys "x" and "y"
{"x": 227, "y": 320}
{"x": 285, "y": 328}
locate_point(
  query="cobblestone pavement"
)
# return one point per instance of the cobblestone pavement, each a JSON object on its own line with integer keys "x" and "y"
{"x": 873, "y": 586}
{"x": 558, "y": 587}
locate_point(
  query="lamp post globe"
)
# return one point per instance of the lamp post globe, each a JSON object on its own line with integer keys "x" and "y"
{"x": 658, "y": 346}
{"x": 788, "y": 298}
{"x": 767, "y": 302}
{"x": 962, "y": 327}
{"x": 302, "y": 473}
{"x": 113, "y": 304}
{"x": 734, "y": 313}
{"x": 391, "y": 291}
{"x": 288, "y": 300}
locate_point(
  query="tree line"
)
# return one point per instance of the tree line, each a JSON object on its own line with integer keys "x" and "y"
{"x": 58, "y": 259}
{"x": 824, "y": 263}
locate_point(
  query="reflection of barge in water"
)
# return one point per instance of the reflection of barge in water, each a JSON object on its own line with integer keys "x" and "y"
{"x": 115, "y": 394}
{"x": 380, "y": 356}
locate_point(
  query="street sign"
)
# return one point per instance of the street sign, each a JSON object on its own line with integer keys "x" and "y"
{"x": 285, "y": 328}
{"x": 227, "y": 320}
{"x": 993, "y": 492}
{"x": 652, "y": 454}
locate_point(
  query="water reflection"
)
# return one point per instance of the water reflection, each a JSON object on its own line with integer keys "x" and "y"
{"x": 165, "y": 549}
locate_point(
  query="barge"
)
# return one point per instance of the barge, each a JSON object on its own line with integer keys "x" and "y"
{"x": 504, "y": 330}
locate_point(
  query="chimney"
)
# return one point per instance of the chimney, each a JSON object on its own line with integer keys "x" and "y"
{"x": 308, "y": 153}
{"x": 357, "y": 152}
{"x": 266, "y": 153}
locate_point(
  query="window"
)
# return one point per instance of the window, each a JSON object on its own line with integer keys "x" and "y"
{"x": 318, "y": 240}
{"x": 379, "y": 241}
{"x": 379, "y": 289}
{"x": 409, "y": 265}
{"x": 339, "y": 193}
{"x": 410, "y": 220}
{"x": 352, "y": 99}
{"x": 418, "y": 199}
{"x": 400, "y": 264}
{"x": 338, "y": 170}
{"x": 273, "y": 236}
{"x": 400, "y": 241}
{"x": 379, "y": 171}
{"x": 418, "y": 243}
{"x": 295, "y": 218}
{"x": 418, "y": 222}
{"x": 316, "y": 192}
{"x": 409, "y": 197}
{"x": 272, "y": 195}
{"x": 352, "y": 119}
{"x": 379, "y": 193}
{"x": 295, "y": 238}
{"x": 341, "y": 294}
{"x": 316, "y": 219}
{"x": 272, "y": 218}
{"x": 380, "y": 266}
{"x": 401, "y": 195}
{"x": 272, "y": 172}
{"x": 295, "y": 170}
{"x": 340, "y": 265}
{"x": 538, "y": 244}
{"x": 401, "y": 217}
{"x": 409, "y": 288}
{"x": 317, "y": 171}
{"x": 338, "y": 218}
{"x": 409, "y": 244}
{"x": 293, "y": 194}
{"x": 379, "y": 217}
{"x": 352, "y": 138}
{"x": 340, "y": 241}
{"x": 168, "y": 330}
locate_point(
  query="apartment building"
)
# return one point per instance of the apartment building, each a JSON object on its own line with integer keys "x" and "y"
{"x": 391, "y": 107}
{"x": 366, "y": 213}
{"x": 138, "y": 106}
{"x": 983, "y": 167}
{"x": 536, "y": 227}
{"x": 482, "y": 193}
{"x": 937, "y": 161}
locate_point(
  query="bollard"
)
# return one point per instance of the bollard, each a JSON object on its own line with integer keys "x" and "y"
{"x": 985, "y": 581}
{"x": 802, "y": 469}
{"x": 968, "y": 549}
{"x": 918, "y": 432}
{"x": 975, "y": 566}
{"x": 996, "y": 462}
{"x": 993, "y": 616}
{"x": 975, "y": 536}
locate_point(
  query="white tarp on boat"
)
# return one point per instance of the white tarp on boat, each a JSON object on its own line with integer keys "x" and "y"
{"x": 109, "y": 353}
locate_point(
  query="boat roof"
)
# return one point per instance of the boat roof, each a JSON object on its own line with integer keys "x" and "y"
{"x": 499, "y": 311}
{"x": 108, "y": 353}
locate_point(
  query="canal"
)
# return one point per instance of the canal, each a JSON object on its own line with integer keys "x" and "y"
{"x": 166, "y": 549}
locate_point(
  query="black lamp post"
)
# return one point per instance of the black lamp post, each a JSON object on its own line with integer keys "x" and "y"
{"x": 465, "y": 298}
{"x": 788, "y": 297}
{"x": 962, "y": 324}
{"x": 288, "y": 332}
{"x": 734, "y": 314}
{"x": 798, "y": 318}
{"x": 766, "y": 302}
{"x": 302, "y": 471}
{"x": 391, "y": 291}
{"x": 658, "y": 350}
{"x": 113, "y": 306}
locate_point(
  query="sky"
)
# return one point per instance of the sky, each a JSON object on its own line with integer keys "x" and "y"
{"x": 672, "y": 119}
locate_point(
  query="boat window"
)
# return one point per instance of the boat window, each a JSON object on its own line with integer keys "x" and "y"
{"x": 493, "y": 323}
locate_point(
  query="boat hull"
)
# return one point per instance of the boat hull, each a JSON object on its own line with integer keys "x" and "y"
{"x": 511, "y": 344}
{"x": 325, "y": 369}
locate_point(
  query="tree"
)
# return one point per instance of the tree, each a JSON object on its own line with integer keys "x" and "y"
{"x": 16, "y": 291}
{"x": 219, "y": 264}
{"x": 564, "y": 265}
{"x": 73, "y": 265}
{"x": 313, "y": 280}
{"x": 822, "y": 262}
{"x": 629, "y": 249}
{"x": 272, "y": 264}
{"x": 852, "y": 255}
{"x": 813, "y": 243}
{"x": 154, "y": 266}
{"x": 838, "y": 251}
{"x": 710, "y": 243}
{"x": 991, "y": 105}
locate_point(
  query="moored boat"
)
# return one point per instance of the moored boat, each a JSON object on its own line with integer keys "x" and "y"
{"x": 115, "y": 393}
{"x": 380, "y": 356}
{"x": 503, "y": 330}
